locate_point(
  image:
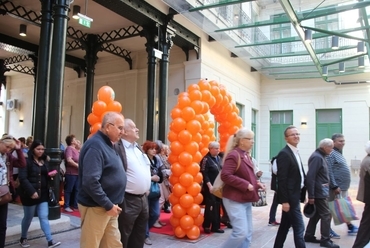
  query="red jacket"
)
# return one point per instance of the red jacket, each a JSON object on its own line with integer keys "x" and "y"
{"x": 12, "y": 161}
{"x": 237, "y": 181}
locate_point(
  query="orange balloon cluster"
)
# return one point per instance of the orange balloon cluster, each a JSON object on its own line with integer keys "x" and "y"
{"x": 105, "y": 103}
{"x": 191, "y": 130}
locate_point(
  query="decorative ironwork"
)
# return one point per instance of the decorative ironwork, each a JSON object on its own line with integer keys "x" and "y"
{"x": 120, "y": 34}
{"x": 118, "y": 51}
{"x": 73, "y": 45}
{"x": 20, "y": 12}
{"x": 17, "y": 59}
{"x": 22, "y": 69}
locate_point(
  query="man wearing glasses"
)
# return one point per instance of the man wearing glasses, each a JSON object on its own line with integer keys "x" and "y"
{"x": 291, "y": 189}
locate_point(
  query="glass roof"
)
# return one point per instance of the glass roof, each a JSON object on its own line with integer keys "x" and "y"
{"x": 273, "y": 36}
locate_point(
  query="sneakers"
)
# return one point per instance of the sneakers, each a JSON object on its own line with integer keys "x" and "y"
{"x": 157, "y": 225}
{"x": 311, "y": 239}
{"x": 51, "y": 244}
{"x": 353, "y": 231}
{"x": 69, "y": 210}
{"x": 334, "y": 235}
{"x": 147, "y": 241}
{"x": 274, "y": 223}
{"x": 162, "y": 223}
{"x": 24, "y": 242}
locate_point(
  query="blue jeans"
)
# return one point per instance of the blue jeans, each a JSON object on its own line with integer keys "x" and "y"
{"x": 70, "y": 187}
{"x": 42, "y": 212}
{"x": 154, "y": 212}
{"x": 240, "y": 215}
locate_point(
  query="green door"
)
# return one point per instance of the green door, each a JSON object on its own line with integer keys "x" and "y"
{"x": 279, "y": 121}
{"x": 328, "y": 122}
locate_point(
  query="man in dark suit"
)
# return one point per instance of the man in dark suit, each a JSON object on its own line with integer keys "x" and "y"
{"x": 290, "y": 189}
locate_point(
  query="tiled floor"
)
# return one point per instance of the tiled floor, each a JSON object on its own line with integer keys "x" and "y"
{"x": 263, "y": 235}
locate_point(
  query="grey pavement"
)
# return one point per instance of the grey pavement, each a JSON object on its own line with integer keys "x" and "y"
{"x": 67, "y": 230}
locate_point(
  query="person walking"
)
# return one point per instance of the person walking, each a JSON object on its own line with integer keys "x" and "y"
{"x": 101, "y": 184}
{"x": 340, "y": 178}
{"x": 71, "y": 156}
{"x": 318, "y": 193}
{"x": 34, "y": 192}
{"x": 291, "y": 189}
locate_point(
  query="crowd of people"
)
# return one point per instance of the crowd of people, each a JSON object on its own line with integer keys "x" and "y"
{"x": 101, "y": 181}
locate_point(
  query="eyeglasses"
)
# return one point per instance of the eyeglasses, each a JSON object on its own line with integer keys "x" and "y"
{"x": 251, "y": 139}
{"x": 120, "y": 127}
{"x": 293, "y": 134}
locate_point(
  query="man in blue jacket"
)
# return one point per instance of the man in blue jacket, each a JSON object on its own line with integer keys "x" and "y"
{"x": 102, "y": 184}
{"x": 317, "y": 183}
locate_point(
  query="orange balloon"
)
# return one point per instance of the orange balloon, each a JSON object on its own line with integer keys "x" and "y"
{"x": 99, "y": 107}
{"x": 178, "y": 190}
{"x": 213, "y": 83}
{"x": 204, "y": 85}
{"x": 179, "y": 232}
{"x": 106, "y": 94}
{"x": 184, "y": 137}
{"x": 197, "y": 106}
{"x": 205, "y": 140}
{"x": 193, "y": 126}
{"x": 195, "y": 95}
{"x": 197, "y": 157}
{"x": 186, "y": 200}
{"x": 206, "y": 95}
{"x": 198, "y": 178}
{"x": 186, "y": 222}
{"x": 176, "y": 147}
{"x": 200, "y": 118}
{"x": 175, "y": 113}
{"x": 194, "y": 189}
{"x": 193, "y": 232}
{"x": 198, "y": 199}
{"x": 183, "y": 94}
{"x": 172, "y": 158}
{"x": 177, "y": 169}
{"x": 205, "y": 125}
{"x": 193, "y": 169}
{"x": 174, "y": 221}
{"x": 222, "y": 90}
{"x": 193, "y": 87}
{"x": 211, "y": 102}
{"x": 215, "y": 91}
{"x": 186, "y": 179}
{"x": 102, "y": 116}
{"x": 178, "y": 124}
{"x": 198, "y": 220}
{"x": 173, "y": 199}
{"x": 187, "y": 113}
{"x": 173, "y": 179}
{"x": 233, "y": 129}
{"x": 193, "y": 210}
{"x": 204, "y": 151}
{"x": 192, "y": 147}
{"x": 95, "y": 127}
{"x": 183, "y": 102}
{"x": 92, "y": 119}
{"x": 171, "y": 136}
{"x": 185, "y": 158}
{"x": 178, "y": 211}
{"x": 197, "y": 138}
{"x": 114, "y": 106}
{"x": 205, "y": 108}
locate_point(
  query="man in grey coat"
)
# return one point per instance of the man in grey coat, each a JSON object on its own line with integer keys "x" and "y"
{"x": 317, "y": 182}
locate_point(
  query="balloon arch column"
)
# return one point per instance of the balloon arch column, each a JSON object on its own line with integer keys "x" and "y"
{"x": 191, "y": 130}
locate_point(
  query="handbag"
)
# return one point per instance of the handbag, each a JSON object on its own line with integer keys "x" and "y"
{"x": 218, "y": 184}
{"x": 5, "y": 195}
{"x": 155, "y": 192}
{"x": 342, "y": 210}
{"x": 262, "y": 199}
{"x": 52, "y": 199}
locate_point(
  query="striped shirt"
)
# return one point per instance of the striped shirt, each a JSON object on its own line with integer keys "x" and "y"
{"x": 339, "y": 173}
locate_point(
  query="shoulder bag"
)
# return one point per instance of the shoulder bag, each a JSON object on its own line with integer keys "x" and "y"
{"x": 218, "y": 185}
{"x": 5, "y": 195}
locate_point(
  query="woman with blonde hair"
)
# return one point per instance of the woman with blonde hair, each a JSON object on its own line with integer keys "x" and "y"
{"x": 7, "y": 162}
{"x": 241, "y": 187}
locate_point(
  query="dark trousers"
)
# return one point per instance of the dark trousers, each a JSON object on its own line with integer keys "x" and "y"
{"x": 70, "y": 191}
{"x": 133, "y": 220}
{"x": 212, "y": 212}
{"x": 3, "y": 217}
{"x": 225, "y": 217}
{"x": 363, "y": 234}
{"x": 273, "y": 208}
{"x": 323, "y": 214}
{"x": 293, "y": 219}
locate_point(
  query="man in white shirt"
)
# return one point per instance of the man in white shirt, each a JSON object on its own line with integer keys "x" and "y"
{"x": 134, "y": 217}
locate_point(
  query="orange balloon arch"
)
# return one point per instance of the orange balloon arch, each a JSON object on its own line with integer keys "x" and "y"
{"x": 191, "y": 130}
{"x": 105, "y": 103}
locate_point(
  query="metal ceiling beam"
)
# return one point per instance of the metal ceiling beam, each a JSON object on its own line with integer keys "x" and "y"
{"x": 286, "y": 65}
{"x": 365, "y": 24}
{"x": 339, "y": 34}
{"x": 315, "y": 71}
{"x": 219, "y": 4}
{"x": 344, "y": 59}
{"x": 274, "y": 21}
{"x": 20, "y": 12}
{"x": 291, "y": 13}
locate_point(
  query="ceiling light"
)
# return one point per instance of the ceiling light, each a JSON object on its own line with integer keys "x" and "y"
{"x": 361, "y": 62}
{"x": 23, "y": 30}
{"x": 342, "y": 67}
{"x": 76, "y": 10}
{"x": 360, "y": 47}
{"x": 325, "y": 70}
{"x": 334, "y": 42}
{"x": 308, "y": 35}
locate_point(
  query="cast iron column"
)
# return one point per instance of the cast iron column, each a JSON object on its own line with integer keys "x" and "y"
{"x": 42, "y": 74}
{"x": 92, "y": 47}
{"x": 150, "y": 35}
{"x": 55, "y": 94}
{"x": 166, "y": 44}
